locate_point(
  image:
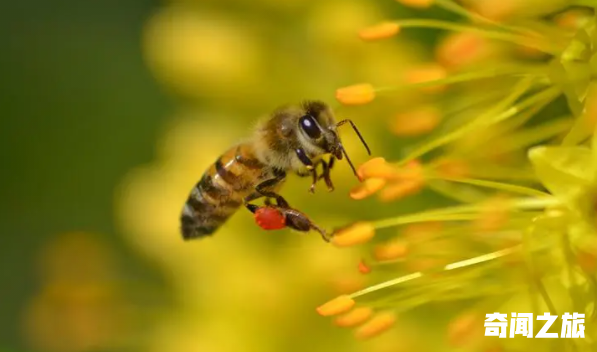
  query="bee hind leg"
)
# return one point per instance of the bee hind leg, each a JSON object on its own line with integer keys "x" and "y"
{"x": 264, "y": 190}
{"x": 300, "y": 222}
{"x": 295, "y": 219}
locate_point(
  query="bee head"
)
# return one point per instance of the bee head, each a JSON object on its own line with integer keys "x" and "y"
{"x": 319, "y": 128}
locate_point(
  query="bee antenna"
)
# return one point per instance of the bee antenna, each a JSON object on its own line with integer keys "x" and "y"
{"x": 348, "y": 160}
{"x": 356, "y": 130}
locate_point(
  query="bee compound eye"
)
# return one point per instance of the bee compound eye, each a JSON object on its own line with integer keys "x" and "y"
{"x": 310, "y": 127}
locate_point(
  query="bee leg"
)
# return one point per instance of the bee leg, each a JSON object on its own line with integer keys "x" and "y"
{"x": 268, "y": 202}
{"x": 313, "y": 173}
{"x": 252, "y": 207}
{"x": 263, "y": 191}
{"x": 300, "y": 153}
{"x": 326, "y": 173}
{"x": 315, "y": 179}
{"x": 300, "y": 222}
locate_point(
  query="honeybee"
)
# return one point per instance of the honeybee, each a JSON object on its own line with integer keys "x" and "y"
{"x": 293, "y": 139}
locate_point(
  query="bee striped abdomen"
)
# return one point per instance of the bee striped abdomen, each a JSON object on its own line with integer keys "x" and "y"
{"x": 220, "y": 192}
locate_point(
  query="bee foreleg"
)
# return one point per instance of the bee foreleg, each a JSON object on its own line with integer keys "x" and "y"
{"x": 326, "y": 173}
{"x": 300, "y": 153}
{"x": 331, "y": 162}
{"x": 315, "y": 179}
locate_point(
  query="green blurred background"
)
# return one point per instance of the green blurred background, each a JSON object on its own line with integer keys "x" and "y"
{"x": 79, "y": 109}
{"x": 111, "y": 112}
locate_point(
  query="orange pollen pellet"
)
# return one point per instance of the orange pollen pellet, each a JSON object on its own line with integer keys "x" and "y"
{"x": 379, "y": 31}
{"x": 354, "y": 234}
{"x": 357, "y": 94}
{"x": 337, "y": 305}
{"x": 376, "y": 325}
{"x": 367, "y": 188}
{"x": 355, "y": 317}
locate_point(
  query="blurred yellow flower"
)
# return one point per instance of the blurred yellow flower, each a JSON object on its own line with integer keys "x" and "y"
{"x": 80, "y": 306}
{"x": 200, "y": 55}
